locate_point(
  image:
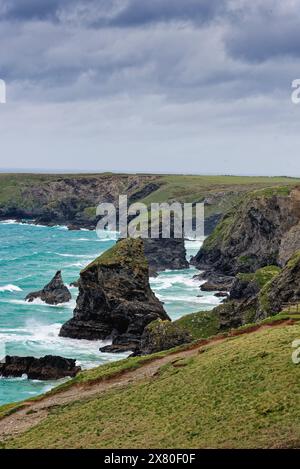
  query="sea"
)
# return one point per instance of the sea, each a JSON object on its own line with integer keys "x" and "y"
{"x": 30, "y": 255}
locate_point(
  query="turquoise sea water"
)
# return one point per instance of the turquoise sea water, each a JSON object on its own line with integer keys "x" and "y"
{"x": 29, "y": 257}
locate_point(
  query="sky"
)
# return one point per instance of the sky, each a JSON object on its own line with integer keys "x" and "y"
{"x": 193, "y": 86}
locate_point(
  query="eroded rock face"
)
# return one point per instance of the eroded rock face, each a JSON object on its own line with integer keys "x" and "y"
{"x": 46, "y": 368}
{"x": 250, "y": 236}
{"x": 165, "y": 253}
{"x": 284, "y": 288}
{"x": 163, "y": 335}
{"x": 53, "y": 293}
{"x": 290, "y": 243}
{"x": 115, "y": 299}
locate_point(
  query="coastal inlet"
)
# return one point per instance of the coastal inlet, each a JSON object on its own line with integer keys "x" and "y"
{"x": 29, "y": 256}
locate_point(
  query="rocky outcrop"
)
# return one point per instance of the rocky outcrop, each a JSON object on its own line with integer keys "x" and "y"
{"x": 165, "y": 253}
{"x": 250, "y": 236}
{"x": 162, "y": 335}
{"x": 290, "y": 243}
{"x": 115, "y": 299}
{"x": 283, "y": 288}
{"x": 215, "y": 282}
{"x": 46, "y": 368}
{"x": 53, "y": 293}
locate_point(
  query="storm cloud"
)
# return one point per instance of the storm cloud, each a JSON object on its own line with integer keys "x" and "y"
{"x": 203, "y": 77}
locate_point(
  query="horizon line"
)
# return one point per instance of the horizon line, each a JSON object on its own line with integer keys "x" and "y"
{"x": 103, "y": 171}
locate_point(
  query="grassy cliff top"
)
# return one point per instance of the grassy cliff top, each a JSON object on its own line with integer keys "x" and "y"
{"x": 182, "y": 188}
{"x": 126, "y": 252}
{"x": 239, "y": 393}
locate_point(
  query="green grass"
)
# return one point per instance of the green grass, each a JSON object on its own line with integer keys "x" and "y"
{"x": 241, "y": 393}
{"x": 128, "y": 252}
{"x": 188, "y": 188}
{"x": 261, "y": 276}
{"x": 200, "y": 325}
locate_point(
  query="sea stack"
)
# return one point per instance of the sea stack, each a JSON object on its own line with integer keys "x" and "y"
{"x": 53, "y": 293}
{"x": 115, "y": 300}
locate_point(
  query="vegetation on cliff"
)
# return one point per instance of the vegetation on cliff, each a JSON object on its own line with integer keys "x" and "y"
{"x": 249, "y": 236}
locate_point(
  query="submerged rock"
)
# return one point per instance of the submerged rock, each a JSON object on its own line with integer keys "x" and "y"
{"x": 53, "y": 293}
{"x": 115, "y": 299}
{"x": 46, "y": 368}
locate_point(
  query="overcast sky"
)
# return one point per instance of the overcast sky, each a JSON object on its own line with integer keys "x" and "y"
{"x": 194, "y": 86}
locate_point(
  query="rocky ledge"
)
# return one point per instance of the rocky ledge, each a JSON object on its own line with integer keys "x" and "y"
{"x": 115, "y": 300}
{"x": 53, "y": 293}
{"x": 46, "y": 368}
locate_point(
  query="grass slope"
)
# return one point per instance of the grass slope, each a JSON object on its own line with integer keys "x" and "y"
{"x": 243, "y": 392}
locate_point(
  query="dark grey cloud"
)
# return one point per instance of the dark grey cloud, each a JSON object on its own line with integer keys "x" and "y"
{"x": 139, "y": 12}
{"x": 166, "y": 79}
{"x": 264, "y": 30}
{"x": 124, "y": 13}
{"x": 31, "y": 9}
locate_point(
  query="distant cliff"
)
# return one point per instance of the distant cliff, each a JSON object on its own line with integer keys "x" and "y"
{"x": 71, "y": 199}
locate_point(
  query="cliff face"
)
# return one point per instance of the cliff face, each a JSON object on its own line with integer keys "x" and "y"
{"x": 254, "y": 234}
{"x": 115, "y": 299}
{"x": 69, "y": 200}
{"x": 163, "y": 254}
{"x": 284, "y": 288}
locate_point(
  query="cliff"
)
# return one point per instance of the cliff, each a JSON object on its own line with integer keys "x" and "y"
{"x": 71, "y": 199}
{"x": 260, "y": 231}
{"x": 283, "y": 288}
{"x": 115, "y": 299}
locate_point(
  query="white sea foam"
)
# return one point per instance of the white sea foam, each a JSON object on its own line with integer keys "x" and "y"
{"x": 76, "y": 256}
{"x": 164, "y": 282}
{"x": 38, "y": 302}
{"x": 8, "y": 222}
{"x": 10, "y": 288}
{"x": 209, "y": 300}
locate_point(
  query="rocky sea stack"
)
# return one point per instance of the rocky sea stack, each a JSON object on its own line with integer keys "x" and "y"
{"x": 45, "y": 368}
{"x": 165, "y": 253}
{"x": 53, "y": 293}
{"x": 115, "y": 300}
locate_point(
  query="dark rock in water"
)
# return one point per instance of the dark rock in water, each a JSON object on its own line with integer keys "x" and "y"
{"x": 253, "y": 234}
{"x": 163, "y": 335}
{"x": 75, "y": 284}
{"x": 221, "y": 294}
{"x": 115, "y": 299}
{"x": 215, "y": 282}
{"x": 46, "y": 368}
{"x": 54, "y": 293}
{"x": 122, "y": 344}
{"x": 165, "y": 253}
